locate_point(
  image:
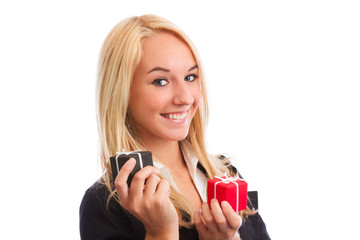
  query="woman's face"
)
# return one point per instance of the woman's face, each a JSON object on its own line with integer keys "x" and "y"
{"x": 165, "y": 92}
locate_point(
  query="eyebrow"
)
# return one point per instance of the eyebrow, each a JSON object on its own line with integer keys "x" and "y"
{"x": 192, "y": 68}
{"x": 159, "y": 69}
{"x": 167, "y": 70}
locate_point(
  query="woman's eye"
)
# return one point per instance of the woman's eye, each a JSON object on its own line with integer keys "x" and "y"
{"x": 159, "y": 82}
{"x": 191, "y": 78}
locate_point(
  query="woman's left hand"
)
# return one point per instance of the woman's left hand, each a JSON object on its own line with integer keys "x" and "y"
{"x": 218, "y": 222}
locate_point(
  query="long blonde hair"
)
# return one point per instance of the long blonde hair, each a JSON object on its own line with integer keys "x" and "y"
{"x": 120, "y": 55}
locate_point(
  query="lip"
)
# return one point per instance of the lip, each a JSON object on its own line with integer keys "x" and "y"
{"x": 179, "y": 112}
{"x": 183, "y": 114}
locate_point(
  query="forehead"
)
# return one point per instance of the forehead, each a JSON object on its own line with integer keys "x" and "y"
{"x": 166, "y": 50}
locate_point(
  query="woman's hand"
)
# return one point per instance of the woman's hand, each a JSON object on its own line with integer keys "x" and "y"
{"x": 217, "y": 223}
{"x": 150, "y": 203}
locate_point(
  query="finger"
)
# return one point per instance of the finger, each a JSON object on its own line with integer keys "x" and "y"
{"x": 163, "y": 189}
{"x": 208, "y": 218}
{"x": 199, "y": 224}
{"x": 218, "y": 215}
{"x": 120, "y": 181}
{"x": 233, "y": 219}
{"x": 151, "y": 185}
{"x": 138, "y": 181}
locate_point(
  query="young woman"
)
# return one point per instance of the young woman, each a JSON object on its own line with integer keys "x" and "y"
{"x": 151, "y": 96}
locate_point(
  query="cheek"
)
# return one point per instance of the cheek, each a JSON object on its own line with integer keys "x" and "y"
{"x": 146, "y": 102}
{"x": 197, "y": 95}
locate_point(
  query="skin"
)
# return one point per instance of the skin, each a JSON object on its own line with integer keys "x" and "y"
{"x": 219, "y": 222}
{"x": 150, "y": 204}
{"x": 164, "y": 83}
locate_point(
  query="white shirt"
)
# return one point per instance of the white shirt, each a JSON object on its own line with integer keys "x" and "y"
{"x": 191, "y": 160}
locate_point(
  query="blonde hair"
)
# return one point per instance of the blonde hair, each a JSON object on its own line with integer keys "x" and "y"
{"x": 120, "y": 55}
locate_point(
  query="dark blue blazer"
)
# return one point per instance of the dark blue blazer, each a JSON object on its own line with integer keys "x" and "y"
{"x": 99, "y": 222}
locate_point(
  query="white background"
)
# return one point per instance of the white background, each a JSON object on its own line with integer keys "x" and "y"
{"x": 283, "y": 79}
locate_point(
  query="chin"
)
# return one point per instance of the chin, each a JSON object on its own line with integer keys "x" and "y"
{"x": 178, "y": 136}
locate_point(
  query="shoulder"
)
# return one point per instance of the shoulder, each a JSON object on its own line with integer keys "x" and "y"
{"x": 94, "y": 195}
{"x": 254, "y": 228}
{"x": 95, "y": 199}
{"x": 99, "y": 220}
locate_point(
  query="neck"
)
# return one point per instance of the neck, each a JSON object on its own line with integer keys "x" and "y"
{"x": 167, "y": 152}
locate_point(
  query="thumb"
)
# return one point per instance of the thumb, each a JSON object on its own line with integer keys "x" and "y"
{"x": 199, "y": 224}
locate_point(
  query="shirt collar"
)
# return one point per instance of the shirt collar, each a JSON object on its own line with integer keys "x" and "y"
{"x": 190, "y": 157}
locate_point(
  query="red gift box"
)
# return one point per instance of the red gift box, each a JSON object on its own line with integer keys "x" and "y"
{"x": 230, "y": 189}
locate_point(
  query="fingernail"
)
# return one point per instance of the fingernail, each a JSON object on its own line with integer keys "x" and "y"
{"x": 213, "y": 200}
{"x": 131, "y": 161}
{"x": 224, "y": 203}
{"x": 200, "y": 211}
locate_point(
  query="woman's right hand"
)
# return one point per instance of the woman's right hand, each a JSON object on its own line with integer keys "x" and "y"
{"x": 150, "y": 203}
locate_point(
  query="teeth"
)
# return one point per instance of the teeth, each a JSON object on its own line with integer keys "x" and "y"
{"x": 175, "y": 116}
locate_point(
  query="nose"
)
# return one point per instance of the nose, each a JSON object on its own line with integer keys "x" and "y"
{"x": 183, "y": 94}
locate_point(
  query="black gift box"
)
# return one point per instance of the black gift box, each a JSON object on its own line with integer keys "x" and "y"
{"x": 119, "y": 160}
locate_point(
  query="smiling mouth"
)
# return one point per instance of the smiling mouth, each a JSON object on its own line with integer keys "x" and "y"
{"x": 175, "y": 116}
